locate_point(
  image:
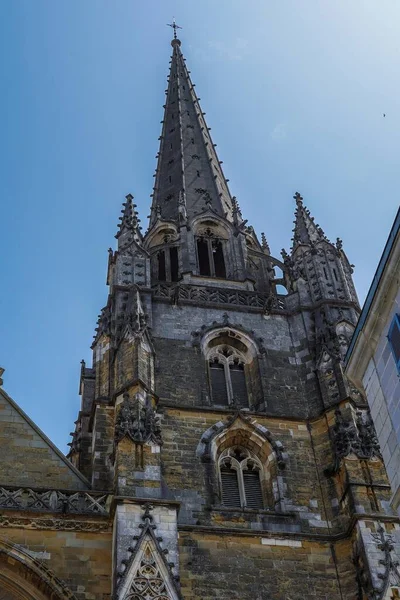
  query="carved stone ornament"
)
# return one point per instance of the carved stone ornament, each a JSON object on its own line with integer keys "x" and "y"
{"x": 53, "y": 501}
{"x": 204, "y": 450}
{"x": 61, "y": 524}
{"x": 368, "y": 439}
{"x": 147, "y": 575}
{"x": 357, "y": 438}
{"x": 138, "y": 421}
{"x": 129, "y": 319}
{"x": 390, "y": 577}
{"x": 202, "y": 295}
{"x": 198, "y": 335}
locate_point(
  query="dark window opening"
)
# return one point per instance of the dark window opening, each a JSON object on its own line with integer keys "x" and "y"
{"x": 219, "y": 262}
{"x": 202, "y": 251}
{"x": 162, "y": 274}
{"x": 198, "y": 173}
{"x": 173, "y": 257}
{"x": 170, "y": 145}
{"x": 192, "y": 140}
{"x": 218, "y": 384}
{"x": 238, "y": 380}
{"x": 230, "y": 487}
{"x": 394, "y": 340}
{"x": 335, "y": 275}
{"x": 252, "y": 488}
{"x": 170, "y": 178}
{"x": 325, "y": 273}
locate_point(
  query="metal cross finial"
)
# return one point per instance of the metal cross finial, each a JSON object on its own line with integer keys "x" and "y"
{"x": 174, "y": 27}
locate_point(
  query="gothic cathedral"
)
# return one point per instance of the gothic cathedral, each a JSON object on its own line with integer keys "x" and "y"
{"x": 219, "y": 451}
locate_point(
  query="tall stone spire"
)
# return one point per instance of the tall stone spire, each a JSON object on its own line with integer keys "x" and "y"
{"x": 188, "y": 172}
{"x": 305, "y": 231}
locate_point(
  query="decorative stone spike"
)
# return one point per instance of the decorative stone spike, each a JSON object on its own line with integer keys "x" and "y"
{"x": 306, "y": 232}
{"x": 264, "y": 243}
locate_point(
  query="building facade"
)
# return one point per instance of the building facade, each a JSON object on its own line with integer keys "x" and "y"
{"x": 219, "y": 451}
{"x": 373, "y": 359}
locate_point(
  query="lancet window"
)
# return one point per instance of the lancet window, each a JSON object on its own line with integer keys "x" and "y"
{"x": 240, "y": 479}
{"x": 232, "y": 368}
{"x": 167, "y": 265}
{"x": 228, "y": 377}
{"x": 210, "y": 255}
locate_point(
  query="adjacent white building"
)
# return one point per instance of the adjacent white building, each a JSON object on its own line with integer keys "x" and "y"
{"x": 373, "y": 358}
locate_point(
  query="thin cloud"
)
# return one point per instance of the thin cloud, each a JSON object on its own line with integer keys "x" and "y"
{"x": 279, "y": 132}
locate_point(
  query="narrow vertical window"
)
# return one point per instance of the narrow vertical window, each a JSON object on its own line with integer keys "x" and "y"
{"x": 218, "y": 257}
{"x": 394, "y": 340}
{"x": 252, "y": 488}
{"x": 335, "y": 275}
{"x": 173, "y": 258}
{"x": 325, "y": 273}
{"x": 161, "y": 266}
{"x": 238, "y": 381}
{"x": 202, "y": 252}
{"x": 240, "y": 478}
{"x": 230, "y": 486}
{"x": 218, "y": 383}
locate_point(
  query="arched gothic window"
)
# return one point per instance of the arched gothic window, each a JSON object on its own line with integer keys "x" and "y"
{"x": 210, "y": 254}
{"x": 228, "y": 377}
{"x": 167, "y": 265}
{"x": 240, "y": 479}
{"x": 232, "y": 368}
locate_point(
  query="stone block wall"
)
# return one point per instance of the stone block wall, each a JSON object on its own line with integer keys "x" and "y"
{"x": 27, "y": 457}
{"x": 264, "y": 568}
{"x": 81, "y": 559}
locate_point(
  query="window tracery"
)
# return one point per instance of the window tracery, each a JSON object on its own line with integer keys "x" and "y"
{"x": 227, "y": 376}
{"x": 240, "y": 479}
{"x": 210, "y": 253}
{"x": 232, "y": 368}
{"x": 148, "y": 584}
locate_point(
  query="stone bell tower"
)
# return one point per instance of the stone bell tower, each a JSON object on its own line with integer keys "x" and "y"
{"x": 216, "y": 413}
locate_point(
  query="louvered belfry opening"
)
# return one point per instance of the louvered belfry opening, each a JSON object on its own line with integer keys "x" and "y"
{"x": 230, "y": 487}
{"x": 211, "y": 259}
{"x": 228, "y": 377}
{"x": 219, "y": 389}
{"x": 240, "y": 478}
{"x": 239, "y": 388}
{"x": 252, "y": 488}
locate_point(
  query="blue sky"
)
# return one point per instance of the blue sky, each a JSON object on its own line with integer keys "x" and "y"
{"x": 294, "y": 92}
